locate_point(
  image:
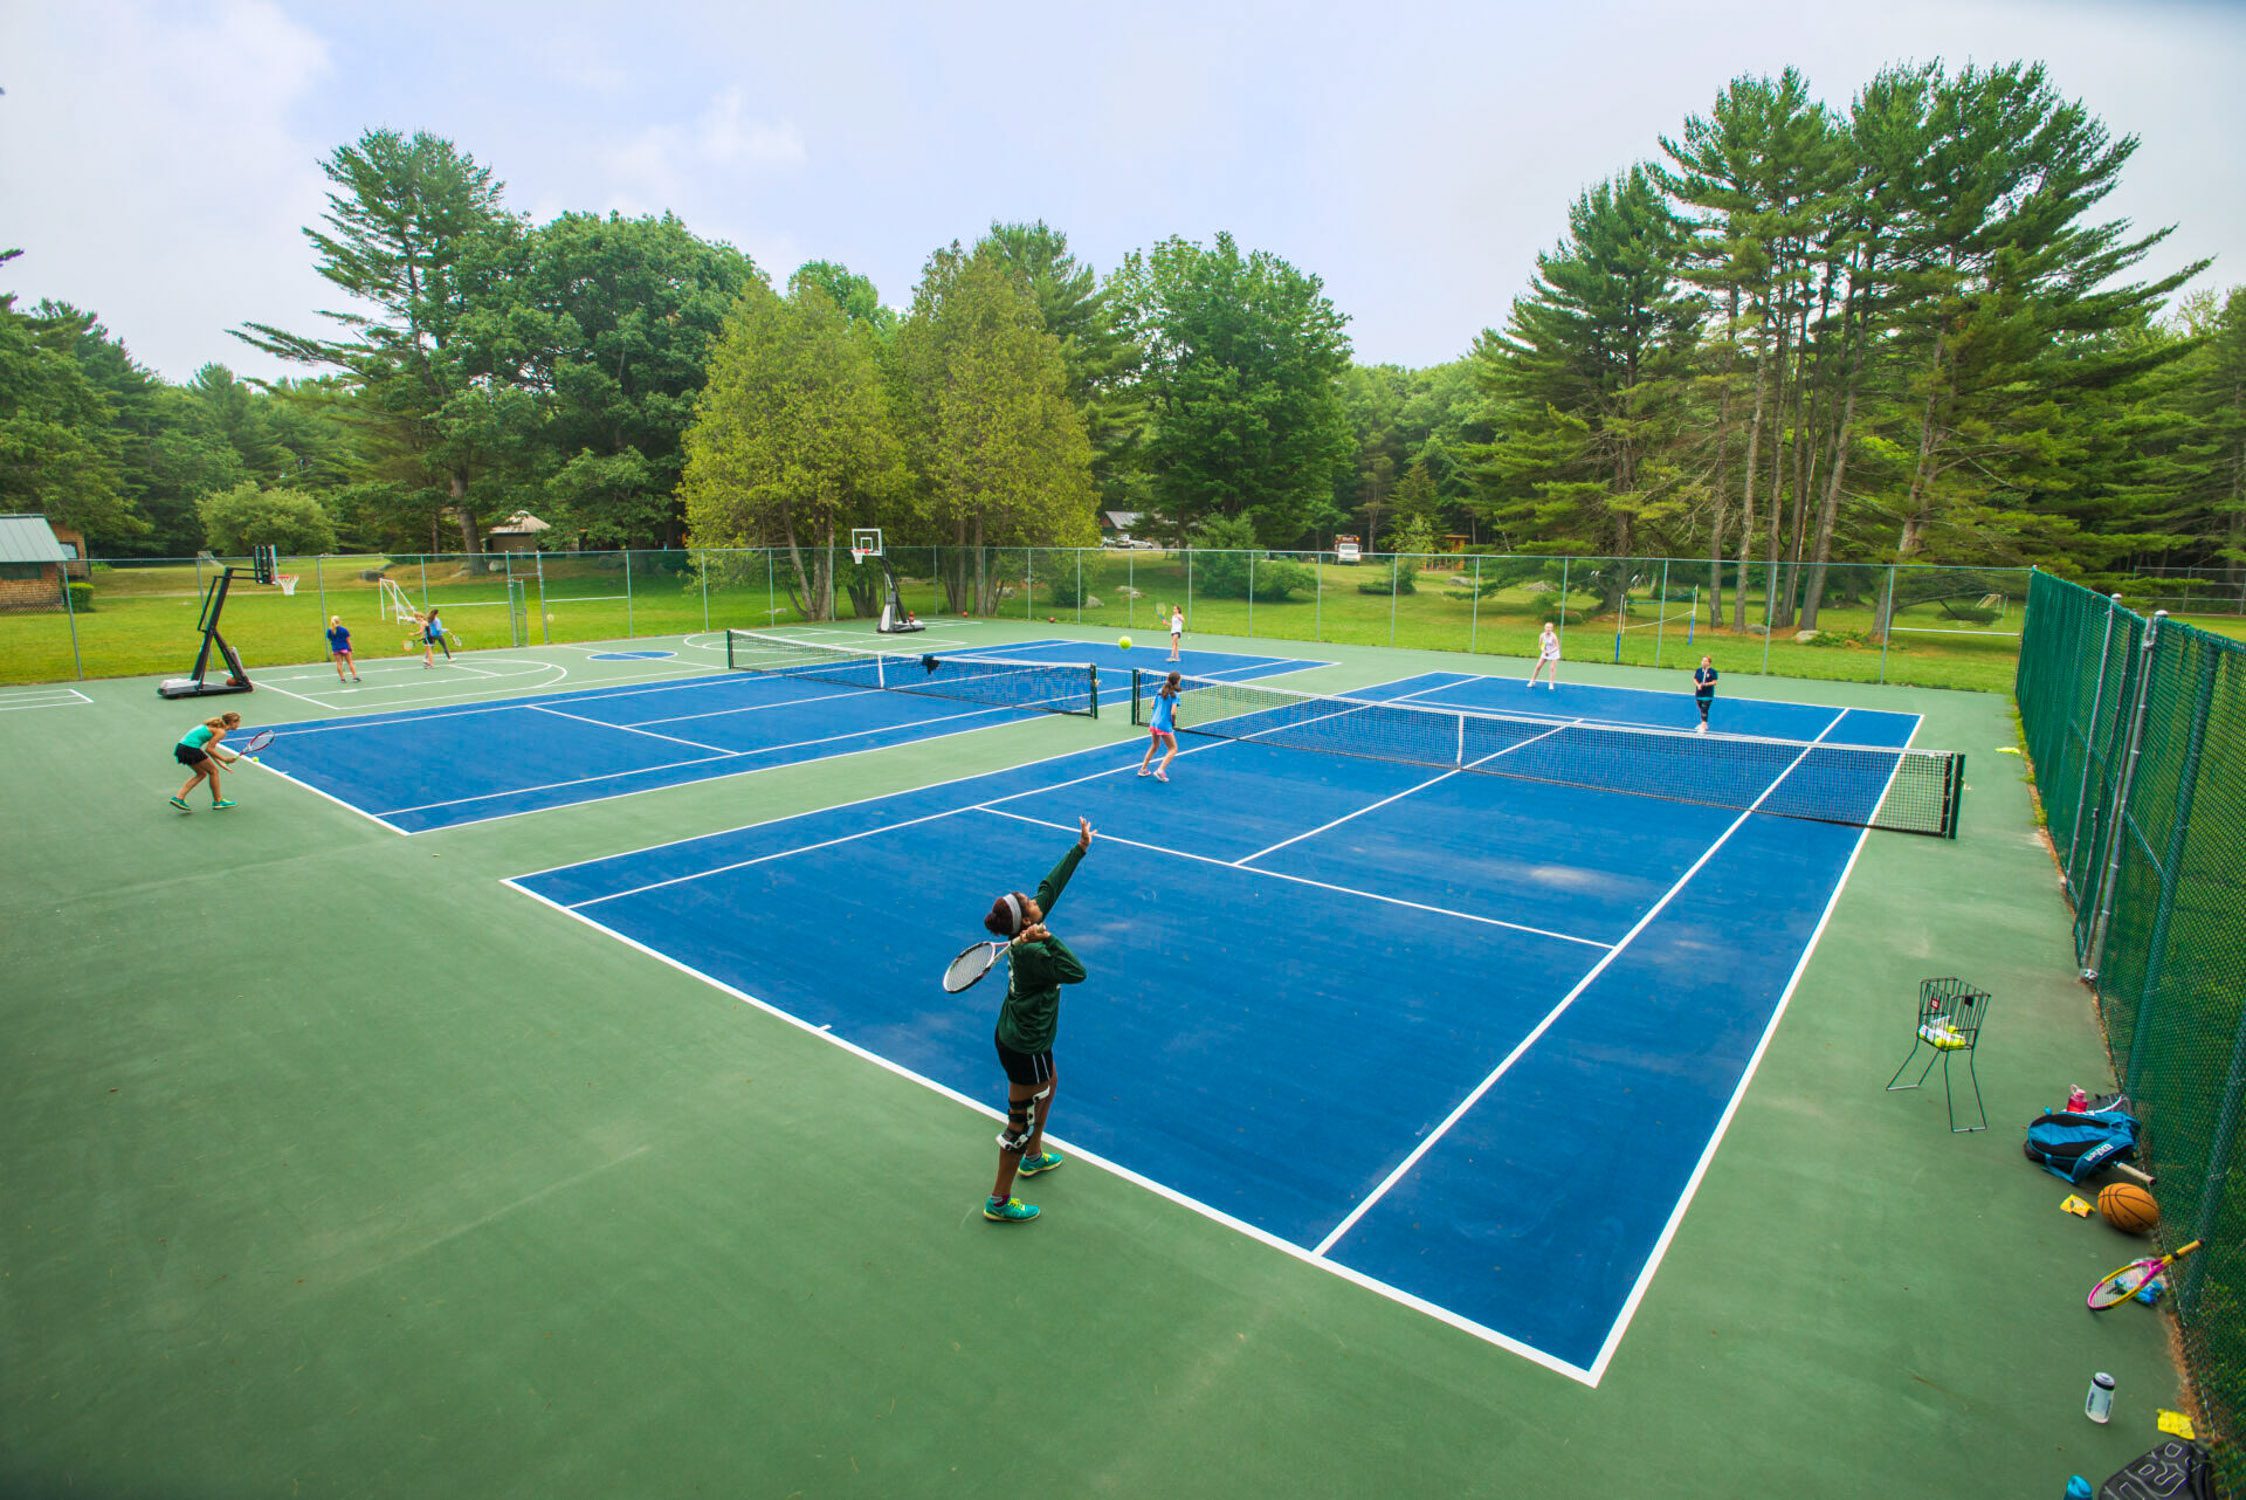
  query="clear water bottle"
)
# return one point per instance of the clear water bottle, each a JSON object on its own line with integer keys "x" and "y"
{"x": 2099, "y": 1407}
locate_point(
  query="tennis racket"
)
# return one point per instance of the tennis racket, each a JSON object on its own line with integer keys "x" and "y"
{"x": 967, "y": 970}
{"x": 2125, "y": 1283}
{"x": 250, "y": 747}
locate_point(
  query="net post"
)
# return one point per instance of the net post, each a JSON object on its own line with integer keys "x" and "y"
{"x": 1953, "y": 795}
{"x": 2172, "y": 859}
{"x": 1136, "y": 703}
{"x": 2120, "y": 807}
{"x": 2097, "y": 698}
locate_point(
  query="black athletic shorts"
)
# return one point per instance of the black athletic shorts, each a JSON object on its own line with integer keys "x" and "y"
{"x": 188, "y": 755}
{"x": 1025, "y": 1067}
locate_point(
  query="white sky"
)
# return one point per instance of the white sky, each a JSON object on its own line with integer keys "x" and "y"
{"x": 157, "y": 160}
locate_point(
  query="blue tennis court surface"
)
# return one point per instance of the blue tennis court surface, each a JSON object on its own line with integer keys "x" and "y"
{"x": 1466, "y": 1039}
{"x": 416, "y": 770}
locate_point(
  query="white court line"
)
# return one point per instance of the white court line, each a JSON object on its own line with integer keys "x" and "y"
{"x": 1406, "y": 792}
{"x": 1613, "y": 1340}
{"x": 47, "y": 698}
{"x": 912, "y": 791}
{"x": 757, "y": 708}
{"x": 331, "y": 797}
{"x": 949, "y": 812}
{"x": 273, "y": 686}
{"x": 702, "y": 677}
{"x": 1521, "y": 1048}
{"x": 547, "y": 708}
{"x": 1344, "y": 890}
{"x": 1254, "y": 1232}
{"x": 699, "y": 760}
{"x": 750, "y": 771}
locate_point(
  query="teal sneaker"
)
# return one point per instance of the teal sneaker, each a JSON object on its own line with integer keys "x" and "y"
{"x": 1010, "y": 1211}
{"x": 1044, "y": 1161}
{"x": 222, "y": 802}
{"x": 180, "y": 803}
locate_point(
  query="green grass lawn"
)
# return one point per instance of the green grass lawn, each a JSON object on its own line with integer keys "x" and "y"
{"x": 143, "y": 618}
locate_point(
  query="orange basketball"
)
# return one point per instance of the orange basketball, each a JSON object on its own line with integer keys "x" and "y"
{"x": 2128, "y": 1208}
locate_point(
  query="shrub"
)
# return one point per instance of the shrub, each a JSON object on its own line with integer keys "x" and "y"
{"x": 1223, "y": 571}
{"x": 81, "y": 597}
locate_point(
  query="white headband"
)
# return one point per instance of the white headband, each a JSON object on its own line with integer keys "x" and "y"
{"x": 1013, "y": 912}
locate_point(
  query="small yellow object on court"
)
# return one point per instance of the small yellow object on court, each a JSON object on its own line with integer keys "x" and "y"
{"x": 2128, "y": 1208}
{"x": 1124, "y": 644}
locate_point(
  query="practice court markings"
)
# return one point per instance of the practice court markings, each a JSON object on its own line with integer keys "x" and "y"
{"x": 424, "y": 767}
{"x": 1577, "y": 985}
{"x": 41, "y": 697}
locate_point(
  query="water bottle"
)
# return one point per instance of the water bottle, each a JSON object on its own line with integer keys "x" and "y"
{"x": 2099, "y": 1407}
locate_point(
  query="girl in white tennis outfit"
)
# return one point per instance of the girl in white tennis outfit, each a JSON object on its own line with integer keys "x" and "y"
{"x": 1177, "y": 630}
{"x": 1547, "y": 656}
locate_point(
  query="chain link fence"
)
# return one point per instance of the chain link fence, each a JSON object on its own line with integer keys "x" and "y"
{"x": 2137, "y": 729}
{"x": 1861, "y": 622}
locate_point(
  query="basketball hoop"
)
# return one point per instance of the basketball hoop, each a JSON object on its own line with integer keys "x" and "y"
{"x": 287, "y": 581}
{"x": 859, "y": 556}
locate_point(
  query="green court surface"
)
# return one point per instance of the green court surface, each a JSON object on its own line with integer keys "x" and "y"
{"x": 331, "y": 1166}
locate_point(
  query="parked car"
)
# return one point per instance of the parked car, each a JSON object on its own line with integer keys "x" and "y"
{"x": 1347, "y": 550}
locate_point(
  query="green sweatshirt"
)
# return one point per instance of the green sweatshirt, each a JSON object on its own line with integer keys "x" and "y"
{"x": 1036, "y": 971}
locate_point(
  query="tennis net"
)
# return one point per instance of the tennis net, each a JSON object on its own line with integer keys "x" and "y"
{"x": 1039, "y": 686}
{"x": 1910, "y": 791}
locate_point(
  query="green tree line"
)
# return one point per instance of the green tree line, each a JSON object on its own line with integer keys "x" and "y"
{"x": 1796, "y": 335}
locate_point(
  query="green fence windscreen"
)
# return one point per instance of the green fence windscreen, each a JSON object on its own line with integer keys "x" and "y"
{"x": 2137, "y": 729}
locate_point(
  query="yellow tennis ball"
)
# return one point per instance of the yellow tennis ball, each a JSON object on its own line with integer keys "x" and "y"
{"x": 1124, "y": 644}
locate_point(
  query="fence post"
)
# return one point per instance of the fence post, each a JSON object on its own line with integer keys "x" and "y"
{"x": 1189, "y": 583}
{"x": 2179, "y": 829}
{"x": 1564, "y": 607}
{"x": 424, "y": 583}
{"x": 771, "y": 608}
{"x": 1393, "y": 559}
{"x": 1769, "y": 611}
{"x": 1474, "y": 620}
{"x": 1130, "y": 592}
{"x": 1080, "y": 586}
{"x": 70, "y": 609}
{"x": 2119, "y": 816}
{"x": 1029, "y": 583}
{"x": 2097, "y": 700}
{"x": 545, "y": 620}
{"x": 1251, "y": 595}
{"x": 702, "y": 566}
{"x": 1887, "y": 622}
{"x": 2224, "y": 1146}
{"x": 1661, "y": 613}
{"x": 1318, "y": 596}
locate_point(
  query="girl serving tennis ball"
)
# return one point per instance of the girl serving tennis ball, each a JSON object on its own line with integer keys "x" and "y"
{"x": 198, "y": 750}
{"x": 1037, "y": 965}
{"x": 1164, "y": 730}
